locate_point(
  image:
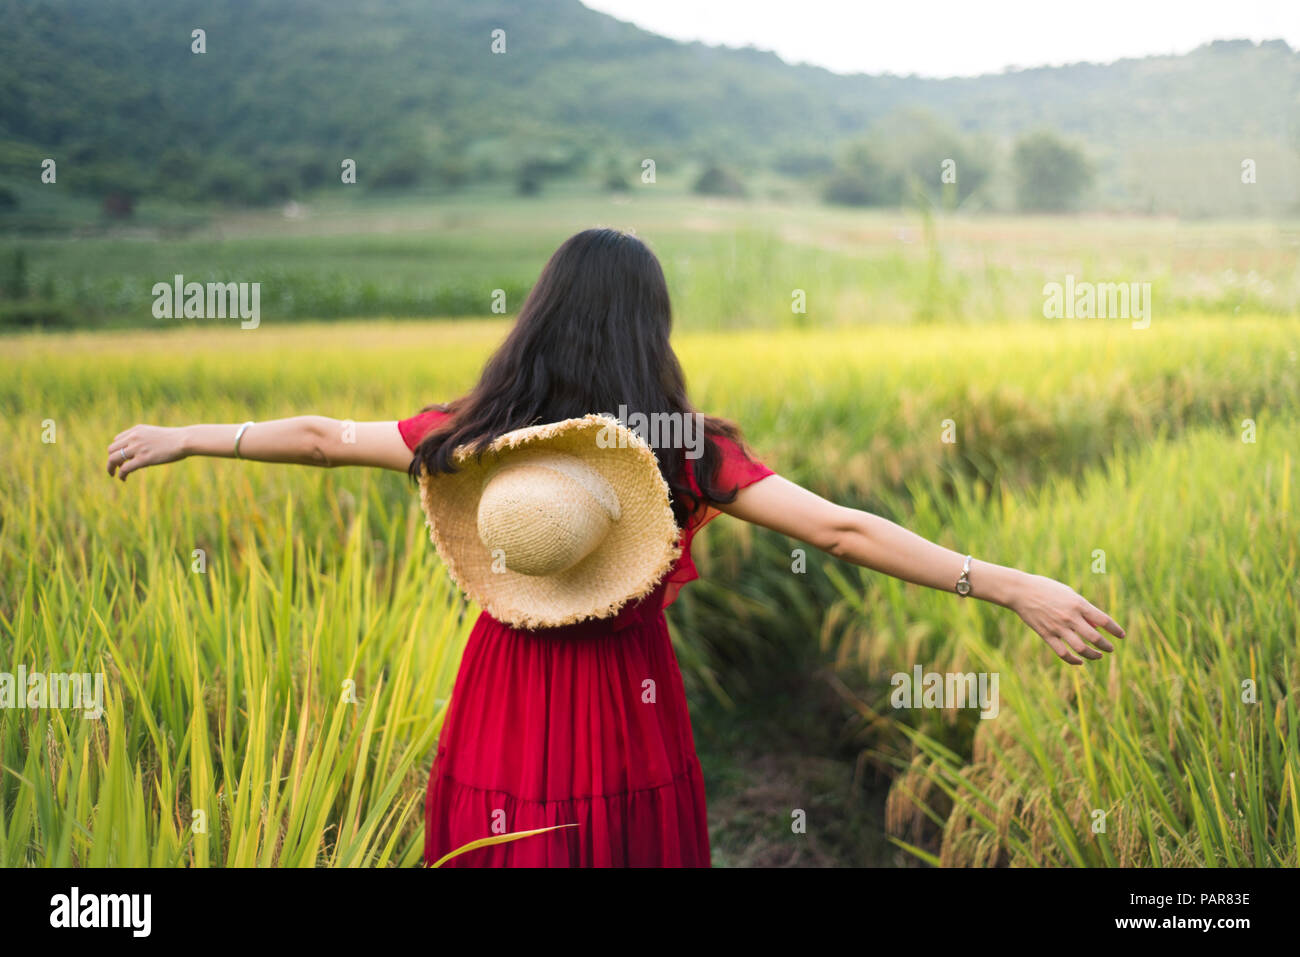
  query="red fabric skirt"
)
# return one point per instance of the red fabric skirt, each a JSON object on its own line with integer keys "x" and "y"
{"x": 582, "y": 725}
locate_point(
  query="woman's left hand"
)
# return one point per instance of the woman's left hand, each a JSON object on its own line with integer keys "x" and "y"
{"x": 1064, "y": 619}
{"x": 143, "y": 445}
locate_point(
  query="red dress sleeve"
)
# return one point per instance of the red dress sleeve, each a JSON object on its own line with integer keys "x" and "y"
{"x": 418, "y": 426}
{"x": 735, "y": 470}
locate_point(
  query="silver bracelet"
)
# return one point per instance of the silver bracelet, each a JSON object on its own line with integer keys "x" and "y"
{"x": 239, "y": 435}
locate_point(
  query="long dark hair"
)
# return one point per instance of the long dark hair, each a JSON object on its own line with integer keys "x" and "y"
{"x": 592, "y": 336}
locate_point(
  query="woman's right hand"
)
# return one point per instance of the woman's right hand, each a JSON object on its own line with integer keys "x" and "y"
{"x": 143, "y": 445}
{"x": 1064, "y": 619}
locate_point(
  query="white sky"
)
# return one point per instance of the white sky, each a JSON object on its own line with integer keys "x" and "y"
{"x": 960, "y": 37}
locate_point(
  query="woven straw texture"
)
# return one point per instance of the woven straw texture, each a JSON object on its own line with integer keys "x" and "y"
{"x": 640, "y": 539}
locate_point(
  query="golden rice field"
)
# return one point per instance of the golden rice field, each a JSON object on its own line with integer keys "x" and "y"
{"x": 279, "y": 644}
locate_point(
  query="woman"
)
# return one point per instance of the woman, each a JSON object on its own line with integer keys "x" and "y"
{"x": 587, "y": 723}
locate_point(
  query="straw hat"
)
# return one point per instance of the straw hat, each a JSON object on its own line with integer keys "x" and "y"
{"x": 555, "y": 524}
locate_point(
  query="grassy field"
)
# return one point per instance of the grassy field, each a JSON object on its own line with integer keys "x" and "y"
{"x": 279, "y": 644}
{"x": 1183, "y": 743}
{"x": 730, "y": 264}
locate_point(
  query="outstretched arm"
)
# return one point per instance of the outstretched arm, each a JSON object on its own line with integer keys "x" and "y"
{"x": 301, "y": 440}
{"x": 1065, "y": 620}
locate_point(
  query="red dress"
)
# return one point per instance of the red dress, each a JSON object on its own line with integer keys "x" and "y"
{"x": 584, "y": 724}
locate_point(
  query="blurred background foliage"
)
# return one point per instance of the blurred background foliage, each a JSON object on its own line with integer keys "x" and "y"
{"x": 412, "y": 92}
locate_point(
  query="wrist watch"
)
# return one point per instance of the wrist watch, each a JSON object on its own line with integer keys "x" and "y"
{"x": 963, "y": 583}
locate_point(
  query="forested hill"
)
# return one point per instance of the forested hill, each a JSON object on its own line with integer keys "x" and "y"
{"x": 413, "y": 90}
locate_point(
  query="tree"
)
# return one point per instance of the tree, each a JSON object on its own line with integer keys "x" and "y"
{"x": 932, "y": 158}
{"x": 908, "y": 154}
{"x": 614, "y": 178}
{"x": 863, "y": 178}
{"x": 178, "y": 173}
{"x": 529, "y": 175}
{"x": 1050, "y": 174}
{"x": 716, "y": 180}
{"x": 15, "y": 284}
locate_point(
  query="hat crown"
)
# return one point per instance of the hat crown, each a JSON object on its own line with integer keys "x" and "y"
{"x": 543, "y": 512}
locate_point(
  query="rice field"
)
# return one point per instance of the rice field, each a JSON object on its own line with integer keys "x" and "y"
{"x": 278, "y": 645}
{"x": 1180, "y": 747}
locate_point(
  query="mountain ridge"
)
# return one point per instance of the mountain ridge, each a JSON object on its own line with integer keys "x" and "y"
{"x": 112, "y": 87}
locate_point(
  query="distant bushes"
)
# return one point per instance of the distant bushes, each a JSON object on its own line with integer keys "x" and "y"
{"x": 1050, "y": 174}
{"x": 36, "y": 313}
{"x": 863, "y": 176}
{"x": 902, "y": 158}
{"x": 62, "y": 288}
{"x": 274, "y": 175}
{"x": 15, "y": 284}
{"x": 912, "y": 156}
{"x": 21, "y": 305}
{"x": 716, "y": 180}
{"x": 906, "y": 156}
{"x": 536, "y": 167}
